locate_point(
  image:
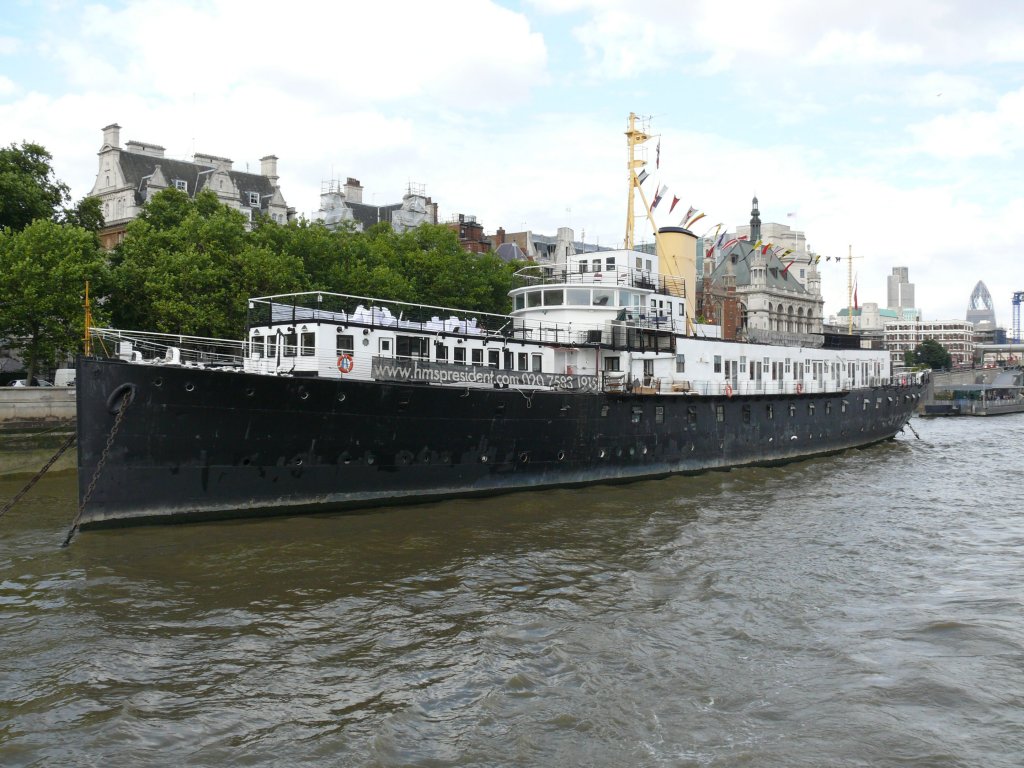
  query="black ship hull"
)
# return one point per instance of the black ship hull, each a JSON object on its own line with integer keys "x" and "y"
{"x": 198, "y": 444}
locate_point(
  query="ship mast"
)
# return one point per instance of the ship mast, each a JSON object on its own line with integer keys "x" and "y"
{"x": 635, "y": 136}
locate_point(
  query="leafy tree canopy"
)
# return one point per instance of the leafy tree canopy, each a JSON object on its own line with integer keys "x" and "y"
{"x": 43, "y": 271}
{"x": 931, "y": 353}
{"x": 28, "y": 188}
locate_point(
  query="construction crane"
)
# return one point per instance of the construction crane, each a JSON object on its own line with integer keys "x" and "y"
{"x": 1018, "y": 297}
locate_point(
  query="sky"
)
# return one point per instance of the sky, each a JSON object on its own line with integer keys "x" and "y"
{"x": 890, "y": 130}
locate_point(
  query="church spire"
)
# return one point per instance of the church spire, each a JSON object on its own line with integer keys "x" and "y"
{"x": 755, "y": 223}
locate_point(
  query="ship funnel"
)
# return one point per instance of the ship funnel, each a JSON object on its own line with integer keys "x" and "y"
{"x": 677, "y": 262}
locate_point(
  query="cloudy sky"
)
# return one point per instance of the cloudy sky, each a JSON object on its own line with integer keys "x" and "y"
{"x": 894, "y": 128}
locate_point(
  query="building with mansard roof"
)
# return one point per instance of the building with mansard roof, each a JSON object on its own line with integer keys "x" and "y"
{"x": 750, "y": 292}
{"x": 129, "y": 176}
{"x": 341, "y": 205}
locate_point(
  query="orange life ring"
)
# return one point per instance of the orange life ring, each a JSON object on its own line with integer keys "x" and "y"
{"x": 728, "y": 390}
{"x": 799, "y": 387}
{"x": 345, "y": 363}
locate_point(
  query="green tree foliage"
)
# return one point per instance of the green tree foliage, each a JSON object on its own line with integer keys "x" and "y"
{"x": 189, "y": 266}
{"x": 930, "y": 353}
{"x": 43, "y": 270}
{"x": 87, "y": 214}
{"x": 28, "y": 188}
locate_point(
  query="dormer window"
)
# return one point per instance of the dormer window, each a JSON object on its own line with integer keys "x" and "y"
{"x": 254, "y": 199}
{"x": 181, "y": 184}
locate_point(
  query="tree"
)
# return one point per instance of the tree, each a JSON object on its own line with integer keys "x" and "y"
{"x": 87, "y": 214}
{"x": 932, "y": 354}
{"x": 28, "y": 188}
{"x": 43, "y": 270}
{"x": 188, "y": 266}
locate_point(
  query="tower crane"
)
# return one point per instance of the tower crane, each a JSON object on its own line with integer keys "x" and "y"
{"x": 1018, "y": 297}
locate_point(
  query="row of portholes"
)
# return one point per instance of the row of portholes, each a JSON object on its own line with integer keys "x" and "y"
{"x": 249, "y": 391}
{"x": 604, "y": 453}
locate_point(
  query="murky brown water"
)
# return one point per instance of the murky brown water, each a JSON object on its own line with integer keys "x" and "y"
{"x": 861, "y": 610}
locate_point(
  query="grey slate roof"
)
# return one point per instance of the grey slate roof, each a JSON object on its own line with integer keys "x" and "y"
{"x": 742, "y": 254}
{"x": 137, "y": 167}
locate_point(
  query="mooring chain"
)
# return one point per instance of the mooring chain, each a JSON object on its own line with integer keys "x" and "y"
{"x": 125, "y": 401}
{"x": 39, "y": 474}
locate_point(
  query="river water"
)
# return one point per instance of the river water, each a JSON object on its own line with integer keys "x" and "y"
{"x": 864, "y": 609}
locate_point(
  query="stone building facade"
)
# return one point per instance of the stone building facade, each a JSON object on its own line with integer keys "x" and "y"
{"x": 129, "y": 176}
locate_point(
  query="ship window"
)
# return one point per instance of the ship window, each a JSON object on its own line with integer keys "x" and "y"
{"x": 493, "y": 357}
{"x": 346, "y": 343}
{"x": 460, "y": 355}
{"x": 865, "y": 405}
{"x": 691, "y": 414}
{"x": 842, "y": 407}
{"x": 611, "y": 363}
{"x": 637, "y": 414}
{"x": 271, "y": 346}
{"x": 680, "y": 363}
{"x": 441, "y": 353}
{"x": 579, "y": 296}
{"x": 810, "y": 409}
{"x": 603, "y": 297}
{"x": 659, "y": 414}
{"x": 537, "y": 363}
{"x": 792, "y": 409}
{"x": 524, "y": 364}
{"x": 257, "y": 344}
{"x": 788, "y": 365}
{"x": 604, "y": 410}
{"x": 583, "y": 266}
{"x": 719, "y": 413}
{"x": 746, "y": 414}
{"x": 533, "y": 299}
{"x": 520, "y": 301}
{"x": 718, "y": 363}
{"x": 308, "y": 343}
{"x": 478, "y": 356}
{"x": 828, "y": 407}
{"x": 411, "y": 346}
{"x": 771, "y": 411}
{"x": 609, "y": 263}
{"x": 639, "y": 263}
{"x": 596, "y": 264}
{"x": 290, "y": 342}
{"x": 554, "y": 298}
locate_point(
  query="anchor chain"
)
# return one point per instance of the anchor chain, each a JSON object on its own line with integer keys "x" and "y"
{"x": 35, "y": 479}
{"x": 125, "y": 402}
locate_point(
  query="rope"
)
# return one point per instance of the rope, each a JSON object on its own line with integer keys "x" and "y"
{"x": 125, "y": 402}
{"x": 37, "y": 476}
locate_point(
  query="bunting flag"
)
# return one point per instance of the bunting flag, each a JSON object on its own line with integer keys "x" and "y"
{"x": 764, "y": 250}
{"x": 817, "y": 258}
{"x": 687, "y": 216}
{"x": 658, "y": 195}
{"x": 657, "y": 155}
{"x": 757, "y": 245}
{"x": 675, "y": 202}
{"x": 855, "y": 305}
{"x": 642, "y": 176}
{"x": 694, "y": 220}
{"x": 730, "y": 244}
{"x": 786, "y": 268}
{"x": 827, "y": 258}
{"x": 721, "y": 237}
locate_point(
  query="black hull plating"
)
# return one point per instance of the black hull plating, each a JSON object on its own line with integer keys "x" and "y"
{"x": 201, "y": 444}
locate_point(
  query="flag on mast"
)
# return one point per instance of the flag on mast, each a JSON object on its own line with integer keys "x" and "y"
{"x": 657, "y": 197}
{"x": 675, "y": 202}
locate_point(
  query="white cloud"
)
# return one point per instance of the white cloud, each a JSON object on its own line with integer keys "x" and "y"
{"x": 998, "y": 132}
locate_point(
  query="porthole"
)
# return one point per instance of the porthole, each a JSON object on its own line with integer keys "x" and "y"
{"x": 370, "y": 458}
{"x": 249, "y": 391}
{"x": 341, "y": 397}
{"x": 601, "y": 453}
{"x": 189, "y": 386}
{"x": 561, "y": 455}
{"x": 158, "y": 382}
{"x": 524, "y": 457}
{"x": 303, "y": 394}
{"x": 483, "y": 458}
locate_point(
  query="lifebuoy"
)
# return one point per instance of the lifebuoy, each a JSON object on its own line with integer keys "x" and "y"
{"x": 345, "y": 363}
{"x": 799, "y": 387}
{"x": 728, "y": 390}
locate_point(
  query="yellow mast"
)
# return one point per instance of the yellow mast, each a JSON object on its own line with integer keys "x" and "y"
{"x": 88, "y": 322}
{"x": 635, "y": 137}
